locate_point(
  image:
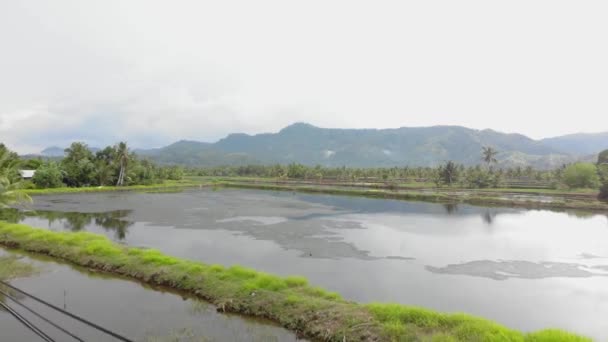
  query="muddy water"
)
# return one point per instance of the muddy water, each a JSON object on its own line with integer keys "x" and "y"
{"x": 129, "y": 308}
{"x": 527, "y": 269}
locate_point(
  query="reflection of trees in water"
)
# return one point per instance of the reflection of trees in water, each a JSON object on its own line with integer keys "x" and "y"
{"x": 450, "y": 208}
{"x": 488, "y": 216}
{"x": 12, "y": 267}
{"x": 11, "y": 293}
{"x": 12, "y": 215}
{"x": 110, "y": 221}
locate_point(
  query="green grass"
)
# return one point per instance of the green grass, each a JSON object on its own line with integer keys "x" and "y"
{"x": 167, "y": 186}
{"x": 290, "y": 301}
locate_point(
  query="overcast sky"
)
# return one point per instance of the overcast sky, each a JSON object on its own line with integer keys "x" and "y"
{"x": 153, "y": 72}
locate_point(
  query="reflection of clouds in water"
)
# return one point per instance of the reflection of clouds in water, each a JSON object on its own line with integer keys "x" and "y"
{"x": 263, "y": 220}
{"x": 591, "y": 256}
{"x": 505, "y": 269}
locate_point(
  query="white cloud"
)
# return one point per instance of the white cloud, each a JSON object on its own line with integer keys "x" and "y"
{"x": 154, "y": 71}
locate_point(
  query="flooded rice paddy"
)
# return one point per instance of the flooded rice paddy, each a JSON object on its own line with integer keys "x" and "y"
{"x": 131, "y": 309}
{"x": 527, "y": 269}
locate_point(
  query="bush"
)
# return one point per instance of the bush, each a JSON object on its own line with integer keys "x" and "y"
{"x": 479, "y": 178}
{"x": 581, "y": 175}
{"x": 48, "y": 175}
{"x": 602, "y": 158}
{"x": 447, "y": 174}
{"x": 602, "y": 167}
{"x": 603, "y": 172}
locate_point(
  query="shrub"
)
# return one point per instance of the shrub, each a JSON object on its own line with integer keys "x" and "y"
{"x": 48, "y": 175}
{"x": 581, "y": 175}
{"x": 602, "y": 167}
{"x": 479, "y": 178}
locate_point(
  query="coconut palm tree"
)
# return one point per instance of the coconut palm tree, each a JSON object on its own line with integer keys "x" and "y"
{"x": 489, "y": 155}
{"x": 122, "y": 156}
{"x": 10, "y": 192}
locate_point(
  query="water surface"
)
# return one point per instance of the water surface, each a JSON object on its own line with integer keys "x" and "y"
{"x": 126, "y": 307}
{"x": 528, "y": 269}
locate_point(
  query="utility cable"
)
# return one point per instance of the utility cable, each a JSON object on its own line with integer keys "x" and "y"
{"x": 41, "y": 317}
{"x": 27, "y": 323}
{"x": 78, "y": 318}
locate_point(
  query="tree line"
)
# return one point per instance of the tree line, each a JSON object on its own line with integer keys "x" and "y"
{"x": 114, "y": 165}
{"x": 117, "y": 165}
{"x": 485, "y": 175}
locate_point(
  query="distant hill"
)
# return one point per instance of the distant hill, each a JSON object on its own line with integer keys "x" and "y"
{"x": 581, "y": 143}
{"x": 55, "y": 151}
{"x": 52, "y": 151}
{"x": 195, "y": 153}
{"x": 412, "y": 146}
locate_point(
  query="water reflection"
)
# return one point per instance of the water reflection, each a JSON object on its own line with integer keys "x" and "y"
{"x": 377, "y": 249}
{"x": 488, "y": 217}
{"x": 505, "y": 269}
{"x": 127, "y": 307}
{"x": 450, "y": 208}
{"x": 111, "y": 221}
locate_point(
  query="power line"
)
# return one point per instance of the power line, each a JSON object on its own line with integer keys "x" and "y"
{"x": 41, "y": 317}
{"x": 78, "y": 318}
{"x": 27, "y": 323}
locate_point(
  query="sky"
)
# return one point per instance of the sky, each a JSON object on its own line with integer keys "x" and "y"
{"x": 153, "y": 72}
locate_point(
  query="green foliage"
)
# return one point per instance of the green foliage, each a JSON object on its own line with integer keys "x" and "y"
{"x": 175, "y": 173}
{"x": 448, "y": 173}
{"x": 554, "y": 335}
{"x": 295, "y": 170}
{"x": 295, "y": 281}
{"x": 9, "y": 164}
{"x": 489, "y": 155}
{"x": 81, "y": 168}
{"x": 602, "y": 158}
{"x": 121, "y": 151}
{"x": 399, "y": 321}
{"x": 10, "y": 184}
{"x": 602, "y": 168}
{"x": 78, "y": 165}
{"x": 581, "y": 175}
{"x": 48, "y": 175}
{"x": 31, "y": 164}
{"x": 603, "y": 177}
{"x": 480, "y": 178}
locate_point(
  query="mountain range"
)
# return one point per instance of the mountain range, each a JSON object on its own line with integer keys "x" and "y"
{"x": 413, "y": 146}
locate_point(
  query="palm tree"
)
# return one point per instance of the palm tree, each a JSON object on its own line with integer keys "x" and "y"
{"x": 122, "y": 156}
{"x": 489, "y": 155}
{"x": 10, "y": 192}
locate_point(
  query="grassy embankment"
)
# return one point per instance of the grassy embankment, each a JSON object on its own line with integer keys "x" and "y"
{"x": 167, "y": 186}
{"x": 292, "y": 302}
{"x": 453, "y": 196}
{"x": 584, "y": 199}
{"x": 565, "y": 199}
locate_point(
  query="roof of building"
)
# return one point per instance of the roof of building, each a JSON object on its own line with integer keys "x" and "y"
{"x": 27, "y": 173}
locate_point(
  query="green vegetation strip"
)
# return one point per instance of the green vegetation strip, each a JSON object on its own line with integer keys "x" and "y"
{"x": 462, "y": 196}
{"x": 307, "y": 310}
{"x": 163, "y": 187}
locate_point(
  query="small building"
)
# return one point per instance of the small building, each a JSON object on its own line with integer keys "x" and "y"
{"x": 27, "y": 174}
